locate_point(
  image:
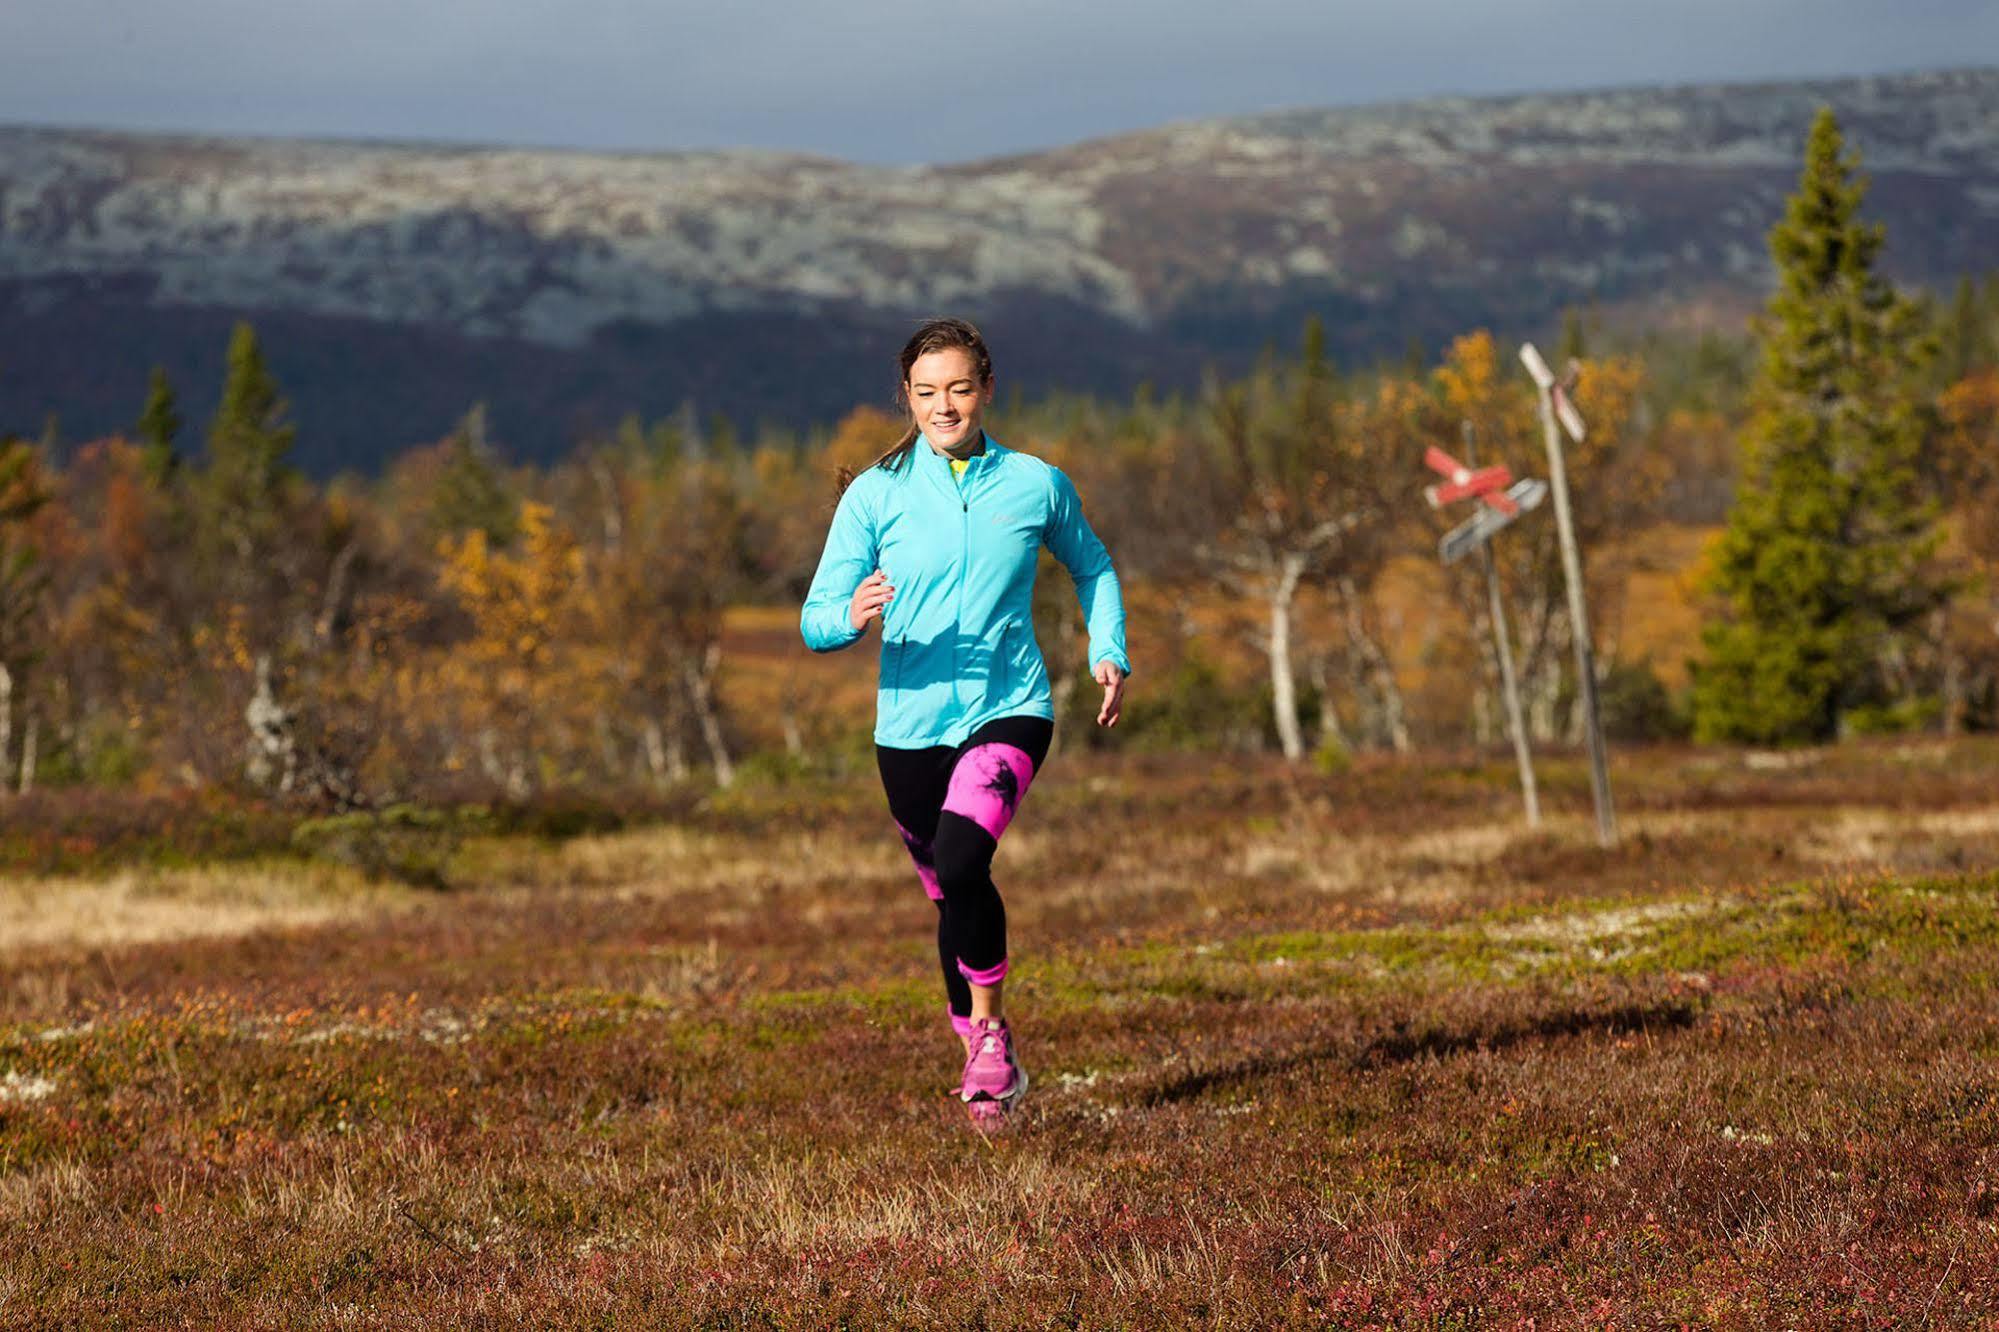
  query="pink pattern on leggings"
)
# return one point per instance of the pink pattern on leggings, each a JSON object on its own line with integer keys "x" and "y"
{"x": 983, "y": 975}
{"x": 919, "y": 851}
{"x": 988, "y": 784}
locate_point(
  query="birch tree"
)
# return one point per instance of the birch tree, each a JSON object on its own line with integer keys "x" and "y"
{"x": 1275, "y": 501}
{"x": 667, "y": 560}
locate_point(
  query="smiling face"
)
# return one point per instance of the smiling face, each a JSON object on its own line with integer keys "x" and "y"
{"x": 947, "y": 397}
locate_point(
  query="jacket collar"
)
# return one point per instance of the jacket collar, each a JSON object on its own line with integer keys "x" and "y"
{"x": 939, "y": 465}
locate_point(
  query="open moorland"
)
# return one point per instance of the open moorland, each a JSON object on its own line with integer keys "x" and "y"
{"x": 1350, "y": 1049}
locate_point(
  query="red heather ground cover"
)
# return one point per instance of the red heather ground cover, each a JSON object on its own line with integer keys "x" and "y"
{"x": 1309, "y": 1051}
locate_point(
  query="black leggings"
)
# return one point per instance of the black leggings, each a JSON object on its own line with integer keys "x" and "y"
{"x": 951, "y": 804}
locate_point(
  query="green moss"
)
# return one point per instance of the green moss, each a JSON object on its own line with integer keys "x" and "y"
{"x": 1790, "y": 926}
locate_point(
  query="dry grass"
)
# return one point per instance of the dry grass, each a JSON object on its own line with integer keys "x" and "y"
{"x": 140, "y": 905}
{"x": 1351, "y": 1051}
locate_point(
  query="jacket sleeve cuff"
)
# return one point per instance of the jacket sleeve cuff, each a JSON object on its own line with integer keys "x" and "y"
{"x": 1114, "y": 655}
{"x": 824, "y": 634}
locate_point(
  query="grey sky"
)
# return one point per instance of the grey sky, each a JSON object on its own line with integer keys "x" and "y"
{"x": 874, "y": 80}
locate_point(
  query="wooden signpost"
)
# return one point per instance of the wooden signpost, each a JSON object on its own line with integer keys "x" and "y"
{"x": 1556, "y": 408}
{"x": 1499, "y": 505}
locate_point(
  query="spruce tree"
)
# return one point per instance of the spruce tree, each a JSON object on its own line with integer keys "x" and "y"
{"x": 247, "y": 476}
{"x": 1968, "y": 332}
{"x": 159, "y": 428}
{"x": 471, "y": 492}
{"x": 1574, "y": 344}
{"x": 1823, "y": 561}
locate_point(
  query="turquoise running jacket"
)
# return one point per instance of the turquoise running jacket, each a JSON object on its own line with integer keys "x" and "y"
{"x": 958, "y": 645}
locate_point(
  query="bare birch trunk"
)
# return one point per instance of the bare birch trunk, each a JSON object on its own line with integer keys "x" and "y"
{"x": 489, "y": 757}
{"x": 1540, "y": 668}
{"x": 6, "y": 721}
{"x": 1331, "y": 732}
{"x": 1542, "y": 697}
{"x": 655, "y": 749}
{"x": 1283, "y": 687}
{"x": 28, "y": 748}
{"x": 607, "y": 490}
{"x": 1544, "y": 691}
{"x": 1388, "y": 689}
{"x": 1953, "y": 691}
{"x": 700, "y": 693}
{"x": 333, "y": 606}
{"x": 272, "y": 760}
{"x": 1390, "y": 715}
{"x": 1366, "y": 729}
{"x": 1063, "y": 690}
{"x": 794, "y": 737}
{"x": 607, "y": 745}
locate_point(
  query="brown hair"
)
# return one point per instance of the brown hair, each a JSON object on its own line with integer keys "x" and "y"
{"x": 931, "y": 335}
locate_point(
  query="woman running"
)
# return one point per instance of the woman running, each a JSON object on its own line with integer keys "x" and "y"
{"x": 938, "y": 540}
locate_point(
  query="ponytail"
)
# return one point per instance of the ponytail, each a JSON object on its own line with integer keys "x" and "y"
{"x": 888, "y": 462}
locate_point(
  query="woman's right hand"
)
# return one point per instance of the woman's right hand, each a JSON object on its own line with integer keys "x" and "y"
{"x": 869, "y": 598}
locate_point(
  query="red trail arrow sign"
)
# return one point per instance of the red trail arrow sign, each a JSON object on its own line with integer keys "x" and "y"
{"x": 1461, "y": 482}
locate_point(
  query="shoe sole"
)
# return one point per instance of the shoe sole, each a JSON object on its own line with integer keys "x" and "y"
{"x": 987, "y": 1116}
{"x": 1001, "y": 1106}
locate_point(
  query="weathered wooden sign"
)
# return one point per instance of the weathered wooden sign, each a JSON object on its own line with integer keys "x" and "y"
{"x": 1556, "y": 407}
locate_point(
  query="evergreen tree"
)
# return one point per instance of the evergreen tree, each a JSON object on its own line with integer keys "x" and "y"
{"x": 1968, "y": 331}
{"x": 1415, "y": 357}
{"x": 1823, "y": 561}
{"x": 1574, "y": 344}
{"x": 472, "y": 494}
{"x": 159, "y": 427}
{"x": 247, "y": 477}
{"x": 1315, "y": 378}
{"x": 23, "y": 492}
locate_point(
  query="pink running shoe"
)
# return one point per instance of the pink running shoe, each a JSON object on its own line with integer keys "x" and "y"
{"x": 994, "y": 1079}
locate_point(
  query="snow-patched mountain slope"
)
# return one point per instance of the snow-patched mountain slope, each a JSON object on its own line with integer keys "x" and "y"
{"x": 552, "y": 246}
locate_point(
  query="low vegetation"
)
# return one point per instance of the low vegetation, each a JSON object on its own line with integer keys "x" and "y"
{"x": 1348, "y": 1048}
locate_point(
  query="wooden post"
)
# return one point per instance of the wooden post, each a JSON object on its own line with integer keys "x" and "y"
{"x": 1572, "y": 570}
{"x": 1503, "y": 642}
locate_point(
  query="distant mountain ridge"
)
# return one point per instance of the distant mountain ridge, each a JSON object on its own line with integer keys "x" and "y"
{"x": 396, "y": 284}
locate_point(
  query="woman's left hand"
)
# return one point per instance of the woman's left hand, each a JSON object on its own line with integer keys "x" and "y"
{"x": 1111, "y": 678}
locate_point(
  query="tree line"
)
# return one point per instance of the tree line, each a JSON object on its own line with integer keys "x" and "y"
{"x": 460, "y": 626}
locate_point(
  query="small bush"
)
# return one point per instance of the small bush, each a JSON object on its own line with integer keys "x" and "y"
{"x": 103, "y": 753}
{"x": 1195, "y": 708}
{"x": 1896, "y": 718}
{"x": 402, "y": 843}
{"x": 1332, "y": 758}
{"x": 80, "y": 830}
{"x": 1637, "y": 707}
{"x": 560, "y": 814}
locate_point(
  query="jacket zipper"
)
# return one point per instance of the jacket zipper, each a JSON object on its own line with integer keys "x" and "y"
{"x": 964, "y": 573}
